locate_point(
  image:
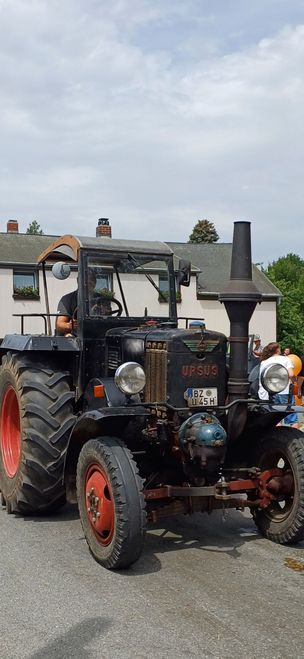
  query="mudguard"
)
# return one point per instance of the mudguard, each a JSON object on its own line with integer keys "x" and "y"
{"x": 33, "y": 342}
{"x": 95, "y": 423}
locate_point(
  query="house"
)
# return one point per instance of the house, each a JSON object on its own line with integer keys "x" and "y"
{"x": 213, "y": 261}
{"x": 22, "y": 286}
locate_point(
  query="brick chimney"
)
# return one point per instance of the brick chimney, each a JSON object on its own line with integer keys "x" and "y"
{"x": 12, "y": 226}
{"x": 103, "y": 228}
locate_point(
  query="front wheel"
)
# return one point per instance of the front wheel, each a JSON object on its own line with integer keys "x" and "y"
{"x": 111, "y": 503}
{"x": 283, "y": 519}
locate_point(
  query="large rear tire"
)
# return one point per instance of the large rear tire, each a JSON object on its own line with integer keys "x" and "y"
{"x": 111, "y": 503}
{"x": 36, "y": 416}
{"x": 283, "y": 520}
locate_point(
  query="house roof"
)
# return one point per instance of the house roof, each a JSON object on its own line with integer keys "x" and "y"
{"x": 211, "y": 261}
{"x": 22, "y": 248}
{"x": 214, "y": 262}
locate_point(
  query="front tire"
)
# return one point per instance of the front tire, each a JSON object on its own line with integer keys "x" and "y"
{"x": 283, "y": 520}
{"x": 36, "y": 416}
{"x": 111, "y": 503}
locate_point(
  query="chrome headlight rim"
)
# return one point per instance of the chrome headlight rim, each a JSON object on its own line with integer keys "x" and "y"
{"x": 275, "y": 378}
{"x": 130, "y": 378}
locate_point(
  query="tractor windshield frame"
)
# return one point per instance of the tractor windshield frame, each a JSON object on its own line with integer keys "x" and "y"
{"x": 119, "y": 266}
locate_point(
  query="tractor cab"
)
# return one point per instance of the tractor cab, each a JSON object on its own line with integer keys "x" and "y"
{"x": 119, "y": 282}
{"x": 126, "y": 289}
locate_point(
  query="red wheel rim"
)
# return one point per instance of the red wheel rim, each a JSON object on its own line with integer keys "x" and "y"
{"x": 100, "y": 504}
{"x": 10, "y": 437}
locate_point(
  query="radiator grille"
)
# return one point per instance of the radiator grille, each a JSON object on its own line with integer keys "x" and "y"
{"x": 114, "y": 359}
{"x": 156, "y": 360}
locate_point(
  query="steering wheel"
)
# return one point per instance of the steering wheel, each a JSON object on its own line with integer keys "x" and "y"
{"x": 115, "y": 312}
{"x": 118, "y": 311}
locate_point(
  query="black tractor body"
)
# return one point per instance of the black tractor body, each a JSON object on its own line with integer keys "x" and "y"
{"x": 137, "y": 418}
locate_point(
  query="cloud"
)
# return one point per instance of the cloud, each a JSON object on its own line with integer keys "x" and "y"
{"x": 150, "y": 114}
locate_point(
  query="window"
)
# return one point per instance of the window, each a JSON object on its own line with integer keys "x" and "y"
{"x": 163, "y": 285}
{"x": 25, "y": 284}
{"x": 104, "y": 281}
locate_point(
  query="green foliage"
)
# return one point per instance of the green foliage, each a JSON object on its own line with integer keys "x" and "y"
{"x": 106, "y": 293}
{"x": 164, "y": 297}
{"x": 204, "y": 231}
{"x": 26, "y": 292}
{"x": 34, "y": 228}
{"x": 287, "y": 273}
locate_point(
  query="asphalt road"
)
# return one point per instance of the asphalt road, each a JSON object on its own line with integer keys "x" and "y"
{"x": 204, "y": 587}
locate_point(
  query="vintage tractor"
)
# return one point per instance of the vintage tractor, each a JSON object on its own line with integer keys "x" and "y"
{"x": 138, "y": 419}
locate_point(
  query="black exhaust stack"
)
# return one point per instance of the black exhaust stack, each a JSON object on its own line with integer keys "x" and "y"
{"x": 240, "y": 299}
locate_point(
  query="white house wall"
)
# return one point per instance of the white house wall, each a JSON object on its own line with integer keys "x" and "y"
{"x": 9, "y": 306}
{"x": 189, "y": 307}
{"x": 263, "y": 320}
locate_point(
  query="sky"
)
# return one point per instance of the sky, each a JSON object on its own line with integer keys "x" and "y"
{"x": 154, "y": 114}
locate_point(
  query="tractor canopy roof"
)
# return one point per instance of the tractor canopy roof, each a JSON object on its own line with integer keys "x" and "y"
{"x": 67, "y": 247}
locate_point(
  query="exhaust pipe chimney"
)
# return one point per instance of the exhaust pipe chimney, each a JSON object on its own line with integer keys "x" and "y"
{"x": 240, "y": 299}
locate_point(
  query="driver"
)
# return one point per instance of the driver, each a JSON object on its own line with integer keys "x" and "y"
{"x": 66, "y": 323}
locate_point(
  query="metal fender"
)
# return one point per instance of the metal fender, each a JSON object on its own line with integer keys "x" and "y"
{"x": 92, "y": 424}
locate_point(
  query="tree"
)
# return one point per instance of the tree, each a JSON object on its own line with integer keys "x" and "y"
{"x": 204, "y": 232}
{"x": 287, "y": 273}
{"x": 34, "y": 228}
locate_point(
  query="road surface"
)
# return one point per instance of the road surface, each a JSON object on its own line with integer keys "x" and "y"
{"x": 204, "y": 587}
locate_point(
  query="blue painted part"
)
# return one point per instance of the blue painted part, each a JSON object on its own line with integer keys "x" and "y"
{"x": 197, "y": 323}
{"x": 203, "y": 429}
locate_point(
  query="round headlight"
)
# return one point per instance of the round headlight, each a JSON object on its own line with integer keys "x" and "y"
{"x": 130, "y": 378}
{"x": 275, "y": 378}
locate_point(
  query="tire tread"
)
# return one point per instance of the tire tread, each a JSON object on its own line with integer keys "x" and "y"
{"x": 46, "y": 418}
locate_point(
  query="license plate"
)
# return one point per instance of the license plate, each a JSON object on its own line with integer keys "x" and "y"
{"x": 196, "y": 397}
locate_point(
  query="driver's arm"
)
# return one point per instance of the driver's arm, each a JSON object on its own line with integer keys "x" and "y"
{"x": 65, "y": 321}
{"x": 64, "y": 325}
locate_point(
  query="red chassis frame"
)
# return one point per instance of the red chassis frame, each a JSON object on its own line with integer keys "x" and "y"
{"x": 261, "y": 490}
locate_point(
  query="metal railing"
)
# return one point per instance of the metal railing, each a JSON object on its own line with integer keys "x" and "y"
{"x": 44, "y": 316}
